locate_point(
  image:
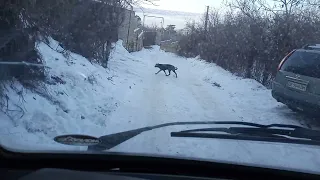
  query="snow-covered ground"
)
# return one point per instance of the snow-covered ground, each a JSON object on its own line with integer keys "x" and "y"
{"x": 96, "y": 101}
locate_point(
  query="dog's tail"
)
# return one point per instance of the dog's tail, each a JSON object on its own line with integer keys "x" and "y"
{"x": 175, "y": 68}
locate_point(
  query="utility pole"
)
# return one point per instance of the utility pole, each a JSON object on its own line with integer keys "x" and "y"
{"x": 128, "y": 33}
{"x": 207, "y": 19}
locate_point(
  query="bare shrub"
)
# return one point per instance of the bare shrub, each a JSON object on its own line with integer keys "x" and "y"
{"x": 251, "y": 38}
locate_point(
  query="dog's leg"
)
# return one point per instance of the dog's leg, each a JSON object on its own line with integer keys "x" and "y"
{"x": 175, "y": 73}
{"x": 164, "y": 72}
{"x": 158, "y": 71}
{"x": 169, "y": 72}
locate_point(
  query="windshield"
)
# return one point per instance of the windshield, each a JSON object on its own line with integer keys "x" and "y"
{"x": 182, "y": 78}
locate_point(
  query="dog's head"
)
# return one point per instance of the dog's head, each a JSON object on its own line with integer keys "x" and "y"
{"x": 157, "y": 65}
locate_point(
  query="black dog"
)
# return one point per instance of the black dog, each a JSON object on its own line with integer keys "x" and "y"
{"x": 168, "y": 67}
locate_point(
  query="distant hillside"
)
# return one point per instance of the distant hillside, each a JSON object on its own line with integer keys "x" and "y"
{"x": 177, "y": 18}
{"x": 165, "y": 12}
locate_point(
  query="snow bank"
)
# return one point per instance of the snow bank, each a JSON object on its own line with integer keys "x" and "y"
{"x": 82, "y": 98}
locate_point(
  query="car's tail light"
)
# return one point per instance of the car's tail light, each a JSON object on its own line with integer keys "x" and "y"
{"x": 284, "y": 59}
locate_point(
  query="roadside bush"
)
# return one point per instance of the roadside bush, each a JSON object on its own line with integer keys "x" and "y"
{"x": 251, "y": 38}
{"x": 17, "y": 40}
{"x": 84, "y": 27}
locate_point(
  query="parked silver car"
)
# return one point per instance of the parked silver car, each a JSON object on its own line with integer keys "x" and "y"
{"x": 297, "y": 83}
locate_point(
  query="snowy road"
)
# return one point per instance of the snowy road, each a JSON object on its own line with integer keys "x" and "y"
{"x": 161, "y": 99}
{"x": 193, "y": 96}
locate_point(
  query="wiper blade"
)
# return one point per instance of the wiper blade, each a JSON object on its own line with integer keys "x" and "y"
{"x": 296, "y": 135}
{"x": 293, "y": 132}
{"x": 112, "y": 140}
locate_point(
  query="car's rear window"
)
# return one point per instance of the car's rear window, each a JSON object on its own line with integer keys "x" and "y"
{"x": 304, "y": 63}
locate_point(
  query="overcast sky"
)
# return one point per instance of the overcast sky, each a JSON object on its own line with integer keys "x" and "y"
{"x": 197, "y": 6}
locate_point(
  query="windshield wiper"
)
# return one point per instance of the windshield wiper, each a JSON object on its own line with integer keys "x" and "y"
{"x": 255, "y": 132}
{"x": 269, "y": 134}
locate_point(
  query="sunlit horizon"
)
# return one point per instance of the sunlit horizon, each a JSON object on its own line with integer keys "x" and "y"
{"x": 192, "y": 6}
